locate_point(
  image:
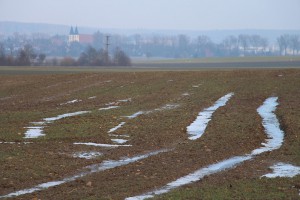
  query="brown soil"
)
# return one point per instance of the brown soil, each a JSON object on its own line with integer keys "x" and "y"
{"x": 234, "y": 130}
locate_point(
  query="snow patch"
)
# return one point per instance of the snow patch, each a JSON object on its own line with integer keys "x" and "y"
{"x": 109, "y": 108}
{"x": 135, "y": 115}
{"x": 193, "y": 177}
{"x": 197, "y": 128}
{"x": 166, "y": 107}
{"x": 71, "y": 102}
{"x": 87, "y": 155}
{"x": 101, "y": 145}
{"x": 119, "y": 141}
{"x": 117, "y": 127}
{"x": 266, "y": 112}
{"x": 125, "y": 100}
{"x": 37, "y": 131}
{"x": 283, "y": 170}
{"x": 271, "y": 125}
{"x": 16, "y": 142}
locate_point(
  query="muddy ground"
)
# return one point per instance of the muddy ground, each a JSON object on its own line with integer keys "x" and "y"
{"x": 235, "y": 129}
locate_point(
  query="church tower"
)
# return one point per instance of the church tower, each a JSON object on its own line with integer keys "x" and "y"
{"x": 73, "y": 35}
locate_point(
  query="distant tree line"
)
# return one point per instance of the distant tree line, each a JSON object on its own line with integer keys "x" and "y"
{"x": 26, "y": 56}
{"x": 55, "y": 50}
{"x": 93, "y": 57}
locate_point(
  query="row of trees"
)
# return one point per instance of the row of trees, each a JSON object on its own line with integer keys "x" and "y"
{"x": 289, "y": 42}
{"x": 203, "y": 46}
{"x": 25, "y": 57}
{"x": 14, "y": 50}
{"x": 93, "y": 57}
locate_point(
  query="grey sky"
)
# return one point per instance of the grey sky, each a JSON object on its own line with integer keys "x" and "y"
{"x": 157, "y": 14}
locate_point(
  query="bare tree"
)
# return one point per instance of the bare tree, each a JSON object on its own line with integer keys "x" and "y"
{"x": 41, "y": 58}
{"x": 283, "y": 42}
{"x": 294, "y": 43}
{"x": 121, "y": 59}
{"x": 244, "y": 42}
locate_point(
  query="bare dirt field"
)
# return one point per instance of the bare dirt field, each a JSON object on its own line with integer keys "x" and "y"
{"x": 118, "y": 135}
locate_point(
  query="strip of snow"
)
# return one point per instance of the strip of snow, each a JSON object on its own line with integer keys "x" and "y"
{"x": 166, "y": 107}
{"x": 111, "y": 103}
{"x": 72, "y": 101}
{"x": 135, "y": 115}
{"x": 186, "y": 94}
{"x": 37, "y": 131}
{"x": 51, "y": 119}
{"x": 101, "y": 145}
{"x": 124, "y": 136}
{"x": 87, "y": 155}
{"x": 283, "y": 170}
{"x": 271, "y": 125}
{"x": 197, "y": 128}
{"x": 125, "y": 100}
{"x": 266, "y": 111}
{"x": 110, "y": 164}
{"x": 195, "y": 176}
{"x": 16, "y": 142}
{"x": 109, "y": 108}
{"x": 117, "y": 127}
{"x": 196, "y": 86}
{"x": 94, "y": 97}
{"x": 119, "y": 141}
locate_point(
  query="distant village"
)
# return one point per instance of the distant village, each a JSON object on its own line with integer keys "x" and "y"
{"x": 51, "y": 49}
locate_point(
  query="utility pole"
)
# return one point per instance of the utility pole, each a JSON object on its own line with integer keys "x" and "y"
{"x": 107, "y": 45}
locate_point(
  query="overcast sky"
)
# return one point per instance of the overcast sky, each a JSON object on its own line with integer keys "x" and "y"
{"x": 157, "y": 14}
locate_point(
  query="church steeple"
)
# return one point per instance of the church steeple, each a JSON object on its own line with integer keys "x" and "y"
{"x": 74, "y": 35}
{"x": 72, "y": 31}
{"x": 76, "y": 31}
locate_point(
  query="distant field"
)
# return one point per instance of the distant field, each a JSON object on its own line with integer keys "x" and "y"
{"x": 166, "y": 65}
{"x": 114, "y": 134}
{"x": 221, "y": 63}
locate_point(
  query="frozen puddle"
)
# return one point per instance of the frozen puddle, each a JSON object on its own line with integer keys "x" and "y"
{"x": 101, "y": 145}
{"x": 110, "y": 164}
{"x": 275, "y": 140}
{"x": 197, "y": 128}
{"x": 37, "y": 131}
{"x": 87, "y": 155}
{"x": 283, "y": 170}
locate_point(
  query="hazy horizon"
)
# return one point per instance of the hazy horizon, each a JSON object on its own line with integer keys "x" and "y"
{"x": 157, "y": 15}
